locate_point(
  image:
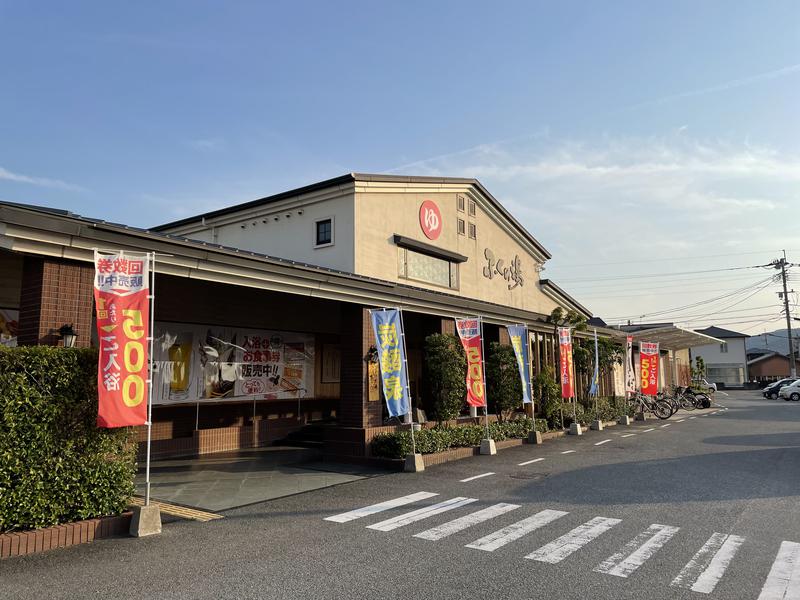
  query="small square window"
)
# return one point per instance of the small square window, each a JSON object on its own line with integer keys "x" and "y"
{"x": 473, "y": 232}
{"x": 471, "y": 208}
{"x": 324, "y": 232}
{"x": 461, "y": 225}
{"x": 461, "y": 203}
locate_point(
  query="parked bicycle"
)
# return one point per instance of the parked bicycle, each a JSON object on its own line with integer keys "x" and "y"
{"x": 658, "y": 407}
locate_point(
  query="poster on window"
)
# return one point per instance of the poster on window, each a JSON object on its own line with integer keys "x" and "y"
{"x": 9, "y": 322}
{"x": 196, "y": 363}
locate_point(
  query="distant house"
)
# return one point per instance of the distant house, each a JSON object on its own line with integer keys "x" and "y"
{"x": 726, "y": 364}
{"x": 770, "y": 366}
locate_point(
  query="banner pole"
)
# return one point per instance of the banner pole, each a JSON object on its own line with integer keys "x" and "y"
{"x": 152, "y": 257}
{"x": 483, "y": 374}
{"x": 408, "y": 391}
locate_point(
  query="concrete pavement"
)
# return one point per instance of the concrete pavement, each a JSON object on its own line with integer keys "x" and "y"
{"x": 709, "y": 502}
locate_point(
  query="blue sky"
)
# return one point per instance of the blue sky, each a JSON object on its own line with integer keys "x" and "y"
{"x": 606, "y": 128}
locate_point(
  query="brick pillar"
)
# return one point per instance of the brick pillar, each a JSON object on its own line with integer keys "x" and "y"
{"x": 54, "y": 293}
{"x": 355, "y": 409}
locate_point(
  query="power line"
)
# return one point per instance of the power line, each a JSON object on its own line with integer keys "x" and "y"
{"x": 671, "y": 283}
{"x": 681, "y": 258}
{"x": 743, "y": 290}
{"x": 651, "y": 275}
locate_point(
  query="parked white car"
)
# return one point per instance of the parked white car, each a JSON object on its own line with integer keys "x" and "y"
{"x": 791, "y": 391}
{"x": 704, "y": 383}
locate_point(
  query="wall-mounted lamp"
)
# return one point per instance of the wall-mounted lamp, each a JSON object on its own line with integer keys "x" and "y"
{"x": 68, "y": 334}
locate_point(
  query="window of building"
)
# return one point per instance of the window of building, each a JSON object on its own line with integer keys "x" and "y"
{"x": 473, "y": 232}
{"x": 471, "y": 208}
{"x": 323, "y": 229}
{"x": 461, "y": 203}
{"x": 723, "y": 348}
{"x": 461, "y": 225}
{"x": 428, "y": 269}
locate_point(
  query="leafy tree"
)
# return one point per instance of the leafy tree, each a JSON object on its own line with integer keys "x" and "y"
{"x": 503, "y": 380}
{"x": 699, "y": 371}
{"x": 547, "y": 393}
{"x": 446, "y": 365}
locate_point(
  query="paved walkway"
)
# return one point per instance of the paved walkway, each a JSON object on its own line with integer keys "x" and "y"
{"x": 222, "y": 481}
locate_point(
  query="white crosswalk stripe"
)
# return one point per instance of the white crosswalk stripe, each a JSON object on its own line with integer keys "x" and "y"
{"x": 559, "y": 549}
{"x": 380, "y": 507}
{"x": 422, "y": 513}
{"x": 703, "y": 572}
{"x": 634, "y": 554}
{"x": 783, "y": 581}
{"x": 513, "y": 532}
{"x": 462, "y": 523}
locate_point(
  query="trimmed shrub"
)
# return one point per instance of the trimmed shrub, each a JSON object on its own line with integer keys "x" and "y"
{"x": 440, "y": 438}
{"x": 447, "y": 386}
{"x": 502, "y": 380}
{"x": 56, "y": 465}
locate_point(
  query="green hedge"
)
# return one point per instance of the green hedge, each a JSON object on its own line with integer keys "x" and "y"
{"x": 438, "y": 439}
{"x": 56, "y": 465}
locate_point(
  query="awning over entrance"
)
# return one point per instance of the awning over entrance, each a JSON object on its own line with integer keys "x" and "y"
{"x": 672, "y": 337}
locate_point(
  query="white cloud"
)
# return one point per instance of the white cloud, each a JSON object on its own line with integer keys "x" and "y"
{"x": 626, "y": 198}
{"x": 7, "y": 175}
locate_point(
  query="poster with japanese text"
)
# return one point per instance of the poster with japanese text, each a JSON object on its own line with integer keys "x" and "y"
{"x": 648, "y": 367}
{"x": 388, "y": 328}
{"x": 121, "y": 288}
{"x": 469, "y": 332}
{"x": 207, "y": 363}
{"x": 565, "y": 368}
{"x": 630, "y": 375}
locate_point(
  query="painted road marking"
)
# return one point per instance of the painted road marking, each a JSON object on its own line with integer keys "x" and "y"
{"x": 666, "y": 425}
{"x": 703, "y": 572}
{"x": 629, "y": 435}
{"x": 530, "y": 462}
{"x": 559, "y": 549}
{"x": 692, "y": 417}
{"x": 680, "y": 421}
{"x": 422, "y": 513}
{"x": 647, "y": 430}
{"x": 637, "y": 551}
{"x": 490, "y": 473}
{"x": 783, "y": 581}
{"x": 504, "y": 536}
{"x": 184, "y": 512}
{"x": 601, "y": 443}
{"x": 568, "y": 451}
{"x": 464, "y": 522}
{"x": 380, "y": 507}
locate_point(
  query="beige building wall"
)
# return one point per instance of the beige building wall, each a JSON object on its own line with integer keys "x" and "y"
{"x": 381, "y": 211}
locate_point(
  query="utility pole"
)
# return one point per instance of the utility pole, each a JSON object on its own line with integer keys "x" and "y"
{"x": 781, "y": 264}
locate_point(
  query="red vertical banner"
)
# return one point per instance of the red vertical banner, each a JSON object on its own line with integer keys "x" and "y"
{"x": 648, "y": 367}
{"x": 121, "y": 288}
{"x": 469, "y": 332}
{"x": 566, "y": 370}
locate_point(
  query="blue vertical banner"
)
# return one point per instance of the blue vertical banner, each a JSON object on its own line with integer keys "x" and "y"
{"x": 388, "y": 327}
{"x": 595, "y": 387}
{"x": 519, "y": 341}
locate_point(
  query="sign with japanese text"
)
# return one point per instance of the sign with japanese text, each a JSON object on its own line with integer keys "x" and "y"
{"x": 630, "y": 375}
{"x": 511, "y": 274}
{"x": 213, "y": 363}
{"x": 565, "y": 370}
{"x": 121, "y": 288}
{"x": 648, "y": 367}
{"x": 469, "y": 332}
{"x": 388, "y": 328}
{"x": 519, "y": 341}
{"x": 430, "y": 219}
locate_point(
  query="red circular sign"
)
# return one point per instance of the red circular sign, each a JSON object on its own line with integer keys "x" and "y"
{"x": 430, "y": 219}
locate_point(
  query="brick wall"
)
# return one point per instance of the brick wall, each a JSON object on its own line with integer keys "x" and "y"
{"x": 356, "y": 338}
{"x": 55, "y": 293}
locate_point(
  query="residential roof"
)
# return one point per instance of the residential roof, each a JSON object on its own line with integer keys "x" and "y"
{"x": 719, "y": 332}
{"x": 352, "y": 178}
{"x": 786, "y": 357}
